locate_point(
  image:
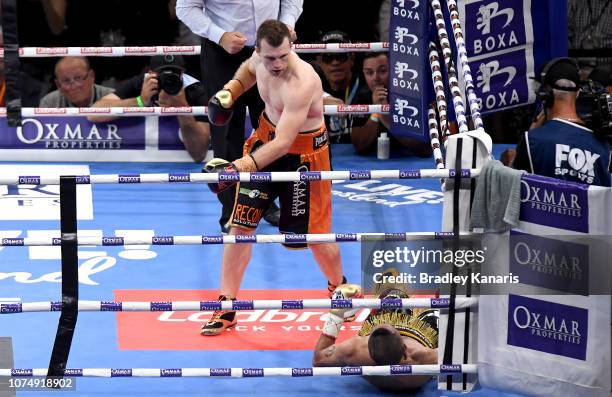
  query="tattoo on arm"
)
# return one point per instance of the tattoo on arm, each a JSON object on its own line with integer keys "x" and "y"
{"x": 330, "y": 351}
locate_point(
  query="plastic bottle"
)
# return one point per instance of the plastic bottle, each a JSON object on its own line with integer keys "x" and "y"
{"x": 383, "y": 146}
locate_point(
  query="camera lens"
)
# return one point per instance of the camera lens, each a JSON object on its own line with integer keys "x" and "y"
{"x": 170, "y": 81}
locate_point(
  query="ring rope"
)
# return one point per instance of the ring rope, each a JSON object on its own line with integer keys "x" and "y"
{"x": 465, "y": 66}
{"x": 113, "y": 241}
{"x": 47, "y": 52}
{"x": 450, "y": 67}
{"x": 383, "y": 370}
{"x": 278, "y": 176}
{"x": 174, "y": 111}
{"x": 438, "y": 83}
{"x": 196, "y": 306}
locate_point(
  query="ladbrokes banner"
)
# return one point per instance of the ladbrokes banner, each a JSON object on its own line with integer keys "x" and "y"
{"x": 508, "y": 41}
{"x": 147, "y": 139}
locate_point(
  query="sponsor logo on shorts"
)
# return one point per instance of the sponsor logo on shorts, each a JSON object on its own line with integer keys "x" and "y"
{"x": 320, "y": 140}
{"x": 301, "y": 372}
{"x": 254, "y": 193}
{"x": 220, "y": 372}
{"x": 247, "y": 216}
{"x": 163, "y": 240}
{"x": 29, "y": 180}
{"x": 252, "y": 372}
{"x": 121, "y": 372}
{"x": 171, "y": 372}
{"x": 350, "y": 371}
{"x": 110, "y": 241}
{"x": 111, "y": 306}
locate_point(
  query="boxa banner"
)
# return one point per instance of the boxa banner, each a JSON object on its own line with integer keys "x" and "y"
{"x": 146, "y": 139}
{"x": 508, "y": 42}
{"x": 410, "y": 83}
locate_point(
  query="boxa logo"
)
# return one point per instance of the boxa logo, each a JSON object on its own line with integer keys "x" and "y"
{"x": 402, "y": 3}
{"x": 407, "y": 118}
{"x": 581, "y": 162}
{"x": 402, "y": 33}
{"x": 403, "y": 73}
{"x": 486, "y": 72}
{"x": 487, "y": 12}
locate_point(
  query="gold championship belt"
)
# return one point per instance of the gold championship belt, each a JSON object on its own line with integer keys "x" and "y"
{"x": 408, "y": 322}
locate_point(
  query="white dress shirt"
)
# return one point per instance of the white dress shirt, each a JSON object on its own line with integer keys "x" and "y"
{"x": 212, "y": 18}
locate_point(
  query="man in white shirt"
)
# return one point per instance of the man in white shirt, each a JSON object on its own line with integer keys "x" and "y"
{"x": 228, "y": 38}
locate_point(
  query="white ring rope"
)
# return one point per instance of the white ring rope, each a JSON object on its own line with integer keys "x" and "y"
{"x": 384, "y": 370}
{"x": 281, "y": 176}
{"x": 174, "y": 111}
{"x": 112, "y": 241}
{"x": 438, "y": 83}
{"x": 48, "y": 52}
{"x": 239, "y": 305}
{"x": 465, "y": 66}
{"x": 450, "y": 68}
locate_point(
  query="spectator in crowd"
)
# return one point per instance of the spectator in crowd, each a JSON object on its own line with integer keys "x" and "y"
{"x": 558, "y": 144}
{"x": 228, "y": 39}
{"x": 341, "y": 82}
{"x": 75, "y": 81}
{"x": 144, "y": 90}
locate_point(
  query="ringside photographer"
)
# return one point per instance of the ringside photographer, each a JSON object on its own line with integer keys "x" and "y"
{"x": 165, "y": 84}
{"x": 559, "y": 144}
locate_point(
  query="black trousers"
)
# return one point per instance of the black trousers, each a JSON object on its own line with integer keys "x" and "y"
{"x": 218, "y": 67}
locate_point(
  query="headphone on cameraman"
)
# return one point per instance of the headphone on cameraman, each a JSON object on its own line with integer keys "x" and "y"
{"x": 545, "y": 92}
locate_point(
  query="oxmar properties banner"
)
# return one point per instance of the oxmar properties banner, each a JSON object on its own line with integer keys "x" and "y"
{"x": 508, "y": 42}
{"x": 146, "y": 139}
{"x": 409, "y": 81}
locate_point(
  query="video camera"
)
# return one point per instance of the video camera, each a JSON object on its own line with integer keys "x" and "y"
{"x": 594, "y": 106}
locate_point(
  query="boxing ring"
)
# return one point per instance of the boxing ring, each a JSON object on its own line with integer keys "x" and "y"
{"x": 130, "y": 216}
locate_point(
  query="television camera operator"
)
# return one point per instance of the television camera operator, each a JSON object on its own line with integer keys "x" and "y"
{"x": 559, "y": 144}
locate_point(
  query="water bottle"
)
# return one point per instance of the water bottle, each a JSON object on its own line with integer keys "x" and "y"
{"x": 383, "y": 146}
